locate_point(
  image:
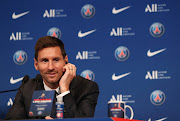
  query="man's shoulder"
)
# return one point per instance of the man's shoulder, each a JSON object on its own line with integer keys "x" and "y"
{"x": 33, "y": 84}
{"x": 80, "y": 79}
{"x": 83, "y": 82}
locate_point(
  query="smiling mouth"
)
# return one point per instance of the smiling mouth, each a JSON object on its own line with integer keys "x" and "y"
{"x": 51, "y": 74}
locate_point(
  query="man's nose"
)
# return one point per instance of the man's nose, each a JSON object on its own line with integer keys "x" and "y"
{"x": 50, "y": 65}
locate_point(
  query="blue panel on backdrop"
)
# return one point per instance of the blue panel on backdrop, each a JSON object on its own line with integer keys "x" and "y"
{"x": 128, "y": 47}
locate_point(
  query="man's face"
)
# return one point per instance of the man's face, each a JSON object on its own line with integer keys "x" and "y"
{"x": 50, "y": 63}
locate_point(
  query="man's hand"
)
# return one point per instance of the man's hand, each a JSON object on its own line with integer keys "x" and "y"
{"x": 69, "y": 74}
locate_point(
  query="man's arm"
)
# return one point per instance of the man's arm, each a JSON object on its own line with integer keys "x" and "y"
{"x": 17, "y": 111}
{"x": 84, "y": 102}
{"x": 85, "y": 107}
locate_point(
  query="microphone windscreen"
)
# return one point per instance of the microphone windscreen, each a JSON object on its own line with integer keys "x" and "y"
{"x": 25, "y": 79}
{"x": 38, "y": 77}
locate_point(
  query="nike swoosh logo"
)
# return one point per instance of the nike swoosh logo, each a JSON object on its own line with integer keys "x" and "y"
{"x": 158, "y": 119}
{"x": 13, "y": 81}
{"x": 85, "y": 33}
{"x": 114, "y": 11}
{"x": 161, "y": 119}
{"x": 150, "y": 54}
{"x": 14, "y": 16}
{"x": 120, "y": 76}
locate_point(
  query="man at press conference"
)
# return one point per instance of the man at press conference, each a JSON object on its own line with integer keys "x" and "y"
{"x": 79, "y": 94}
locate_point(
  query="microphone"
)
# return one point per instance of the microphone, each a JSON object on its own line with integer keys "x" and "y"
{"x": 25, "y": 79}
{"x": 38, "y": 77}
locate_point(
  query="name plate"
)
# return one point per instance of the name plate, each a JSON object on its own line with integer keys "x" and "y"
{"x": 41, "y": 104}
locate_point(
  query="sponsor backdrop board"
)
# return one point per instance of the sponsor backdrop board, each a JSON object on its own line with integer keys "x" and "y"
{"x": 129, "y": 47}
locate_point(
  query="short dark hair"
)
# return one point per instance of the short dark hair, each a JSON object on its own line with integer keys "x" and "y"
{"x": 49, "y": 41}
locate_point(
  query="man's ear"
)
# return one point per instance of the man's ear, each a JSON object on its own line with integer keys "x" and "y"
{"x": 66, "y": 59}
{"x": 36, "y": 64}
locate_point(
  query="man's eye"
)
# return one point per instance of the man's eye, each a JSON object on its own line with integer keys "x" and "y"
{"x": 56, "y": 59}
{"x": 44, "y": 60}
